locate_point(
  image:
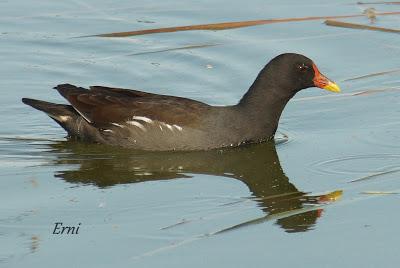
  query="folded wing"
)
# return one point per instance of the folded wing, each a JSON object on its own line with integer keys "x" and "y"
{"x": 104, "y": 106}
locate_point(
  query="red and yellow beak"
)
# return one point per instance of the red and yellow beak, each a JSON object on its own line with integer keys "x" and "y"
{"x": 323, "y": 82}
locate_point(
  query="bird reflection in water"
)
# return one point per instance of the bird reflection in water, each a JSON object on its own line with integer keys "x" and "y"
{"x": 257, "y": 166}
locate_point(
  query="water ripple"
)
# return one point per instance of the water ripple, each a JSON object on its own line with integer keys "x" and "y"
{"x": 358, "y": 164}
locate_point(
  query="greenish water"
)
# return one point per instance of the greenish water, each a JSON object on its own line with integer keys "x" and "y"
{"x": 314, "y": 199}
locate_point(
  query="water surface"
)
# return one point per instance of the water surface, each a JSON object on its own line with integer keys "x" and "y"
{"x": 306, "y": 201}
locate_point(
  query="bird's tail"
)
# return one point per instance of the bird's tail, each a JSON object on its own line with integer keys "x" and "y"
{"x": 61, "y": 113}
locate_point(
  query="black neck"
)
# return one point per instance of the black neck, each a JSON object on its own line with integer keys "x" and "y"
{"x": 265, "y": 101}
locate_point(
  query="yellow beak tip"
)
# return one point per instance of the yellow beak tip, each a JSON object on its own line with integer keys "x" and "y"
{"x": 332, "y": 87}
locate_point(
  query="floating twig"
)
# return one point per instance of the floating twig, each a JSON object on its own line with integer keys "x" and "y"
{"x": 378, "y": 3}
{"x": 228, "y": 25}
{"x": 324, "y": 200}
{"x": 350, "y": 94}
{"x": 371, "y": 75}
{"x": 374, "y": 175}
{"x": 380, "y": 192}
{"x": 342, "y": 24}
{"x": 269, "y": 217}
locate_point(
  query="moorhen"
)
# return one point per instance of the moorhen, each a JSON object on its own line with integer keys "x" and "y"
{"x": 146, "y": 121}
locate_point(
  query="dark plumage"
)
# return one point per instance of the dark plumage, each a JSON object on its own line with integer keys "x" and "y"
{"x": 146, "y": 121}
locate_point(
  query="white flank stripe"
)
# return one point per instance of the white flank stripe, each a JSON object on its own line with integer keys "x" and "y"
{"x": 178, "y": 127}
{"x": 82, "y": 115}
{"x": 169, "y": 126}
{"x": 136, "y": 124}
{"x": 142, "y": 118}
{"x": 118, "y": 125}
{"x": 161, "y": 127}
{"x": 108, "y": 130}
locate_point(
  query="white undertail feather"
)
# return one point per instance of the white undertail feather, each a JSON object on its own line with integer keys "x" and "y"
{"x": 64, "y": 118}
{"x": 61, "y": 118}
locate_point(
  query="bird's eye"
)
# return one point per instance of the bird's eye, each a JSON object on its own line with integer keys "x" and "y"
{"x": 302, "y": 67}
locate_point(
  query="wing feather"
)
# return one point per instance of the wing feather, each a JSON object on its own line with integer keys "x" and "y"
{"x": 103, "y": 106}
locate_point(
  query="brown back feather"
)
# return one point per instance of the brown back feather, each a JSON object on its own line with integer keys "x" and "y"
{"x": 102, "y": 106}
